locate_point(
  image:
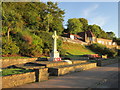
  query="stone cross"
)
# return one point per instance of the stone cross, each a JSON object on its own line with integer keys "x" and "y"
{"x": 54, "y": 55}
{"x": 54, "y": 36}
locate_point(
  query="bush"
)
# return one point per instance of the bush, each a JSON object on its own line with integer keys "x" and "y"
{"x": 48, "y": 41}
{"x": 9, "y": 48}
{"x": 31, "y": 46}
{"x": 103, "y": 50}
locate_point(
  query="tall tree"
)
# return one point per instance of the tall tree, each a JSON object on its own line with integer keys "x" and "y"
{"x": 84, "y": 23}
{"x": 57, "y": 19}
{"x": 74, "y": 26}
{"x": 95, "y": 29}
{"x": 111, "y": 35}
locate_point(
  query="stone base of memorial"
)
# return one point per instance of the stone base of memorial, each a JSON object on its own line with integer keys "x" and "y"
{"x": 54, "y": 56}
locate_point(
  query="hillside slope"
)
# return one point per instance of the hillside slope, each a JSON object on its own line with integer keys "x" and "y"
{"x": 75, "y": 49}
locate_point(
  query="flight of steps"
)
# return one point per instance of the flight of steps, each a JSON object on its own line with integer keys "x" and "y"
{"x": 62, "y": 67}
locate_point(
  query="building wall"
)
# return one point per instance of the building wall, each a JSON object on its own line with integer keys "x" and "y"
{"x": 72, "y": 37}
{"x": 104, "y": 41}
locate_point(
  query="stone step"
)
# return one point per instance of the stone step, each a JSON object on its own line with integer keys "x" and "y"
{"x": 23, "y": 66}
{"x": 58, "y": 63}
{"x": 78, "y": 61}
{"x": 62, "y": 70}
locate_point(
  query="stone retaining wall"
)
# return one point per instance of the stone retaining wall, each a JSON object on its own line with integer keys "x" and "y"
{"x": 106, "y": 62}
{"x": 20, "y": 79}
{"x": 9, "y": 62}
{"x": 79, "y": 58}
{"x": 52, "y": 64}
{"x": 41, "y": 74}
{"x": 17, "y": 79}
{"x": 57, "y": 71}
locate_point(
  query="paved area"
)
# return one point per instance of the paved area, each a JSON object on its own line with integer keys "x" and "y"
{"x": 99, "y": 77}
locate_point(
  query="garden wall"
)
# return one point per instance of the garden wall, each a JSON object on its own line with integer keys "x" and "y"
{"x": 106, "y": 62}
{"x": 18, "y": 79}
{"x": 41, "y": 74}
{"x": 79, "y": 58}
{"x": 9, "y": 62}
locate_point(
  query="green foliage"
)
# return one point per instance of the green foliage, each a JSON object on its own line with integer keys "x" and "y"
{"x": 111, "y": 35}
{"x": 9, "y": 48}
{"x": 29, "y": 43}
{"x": 117, "y": 40}
{"x": 47, "y": 41}
{"x": 103, "y": 50}
{"x": 74, "y": 25}
{"x": 84, "y": 23}
{"x": 97, "y": 31}
{"x": 22, "y": 19}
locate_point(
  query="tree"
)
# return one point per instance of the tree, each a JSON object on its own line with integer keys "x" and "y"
{"x": 117, "y": 40}
{"x": 74, "y": 26}
{"x": 84, "y": 23}
{"x": 95, "y": 29}
{"x": 22, "y": 19}
{"x": 111, "y": 35}
{"x": 57, "y": 20}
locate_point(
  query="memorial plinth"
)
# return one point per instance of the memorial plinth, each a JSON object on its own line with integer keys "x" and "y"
{"x": 54, "y": 55}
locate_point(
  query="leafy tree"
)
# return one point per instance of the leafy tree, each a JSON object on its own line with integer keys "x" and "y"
{"x": 95, "y": 29}
{"x": 117, "y": 40}
{"x": 111, "y": 35}
{"x": 74, "y": 25}
{"x": 57, "y": 19}
{"x": 22, "y": 19}
{"x": 84, "y": 23}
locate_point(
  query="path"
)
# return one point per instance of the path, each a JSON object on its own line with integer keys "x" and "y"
{"x": 105, "y": 77}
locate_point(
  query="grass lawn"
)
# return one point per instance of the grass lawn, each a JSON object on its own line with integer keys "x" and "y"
{"x": 11, "y": 71}
{"x": 76, "y": 49}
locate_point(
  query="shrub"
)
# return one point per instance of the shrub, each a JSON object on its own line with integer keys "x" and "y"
{"x": 101, "y": 49}
{"x": 31, "y": 46}
{"x": 48, "y": 41}
{"x": 9, "y": 48}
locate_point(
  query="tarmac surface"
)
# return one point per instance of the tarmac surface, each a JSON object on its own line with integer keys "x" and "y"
{"x": 99, "y": 77}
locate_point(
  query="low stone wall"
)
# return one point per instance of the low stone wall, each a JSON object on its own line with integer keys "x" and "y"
{"x": 57, "y": 71}
{"x": 20, "y": 79}
{"x": 9, "y": 62}
{"x": 17, "y": 79}
{"x": 79, "y": 58}
{"x": 52, "y": 64}
{"x": 41, "y": 74}
{"x": 106, "y": 62}
{"x": 78, "y": 61}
